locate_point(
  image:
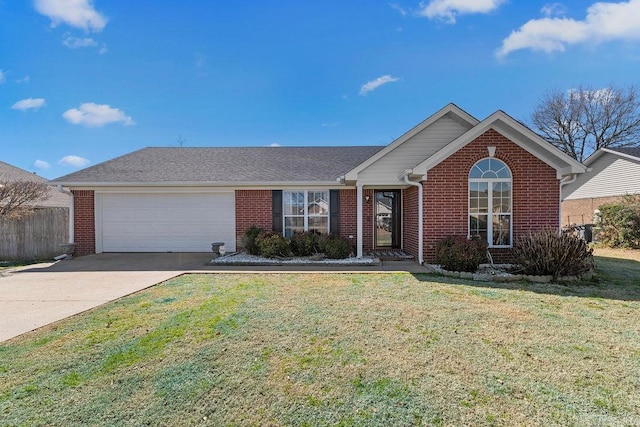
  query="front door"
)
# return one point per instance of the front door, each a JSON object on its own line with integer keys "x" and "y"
{"x": 388, "y": 216}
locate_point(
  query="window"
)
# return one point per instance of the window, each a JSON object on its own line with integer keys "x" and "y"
{"x": 490, "y": 202}
{"x": 305, "y": 211}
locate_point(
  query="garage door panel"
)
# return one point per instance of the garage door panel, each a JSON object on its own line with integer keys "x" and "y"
{"x": 160, "y": 222}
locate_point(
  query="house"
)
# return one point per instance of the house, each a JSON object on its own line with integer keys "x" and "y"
{"x": 613, "y": 173}
{"x": 39, "y": 234}
{"x": 450, "y": 174}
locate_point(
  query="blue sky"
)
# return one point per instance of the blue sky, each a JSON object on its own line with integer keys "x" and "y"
{"x": 84, "y": 81}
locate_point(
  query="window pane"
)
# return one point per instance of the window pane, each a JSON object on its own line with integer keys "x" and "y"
{"x": 478, "y": 225}
{"x": 502, "y": 230}
{"x": 293, "y": 225}
{"x": 501, "y": 197}
{"x": 319, "y": 224}
{"x": 318, "y": 202}
{"x": 293, "y": 202}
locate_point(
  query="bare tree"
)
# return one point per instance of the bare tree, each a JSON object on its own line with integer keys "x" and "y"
{"x": 582, "y": 120}
{"x": 15, "y": 196}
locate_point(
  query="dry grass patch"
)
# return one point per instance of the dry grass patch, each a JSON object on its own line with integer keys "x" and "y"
{"x": 339, "y": 349}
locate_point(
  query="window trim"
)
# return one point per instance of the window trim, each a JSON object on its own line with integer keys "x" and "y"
{"x": 490, "y": 214}
{"x": 306, "y": 215}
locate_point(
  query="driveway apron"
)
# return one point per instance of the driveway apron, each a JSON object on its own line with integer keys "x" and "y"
{"x": 41, "y": 294}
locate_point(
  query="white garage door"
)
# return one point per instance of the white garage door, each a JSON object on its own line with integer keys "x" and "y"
{"x": 160, "y": 222}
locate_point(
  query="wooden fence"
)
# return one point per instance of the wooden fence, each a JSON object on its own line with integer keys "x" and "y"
{"x": 38, "y": 235}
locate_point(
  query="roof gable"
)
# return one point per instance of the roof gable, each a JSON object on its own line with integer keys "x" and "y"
{"x": 628, "y": 153}
{"x": 515, "y": 132}
{"x": 450, "y": 110}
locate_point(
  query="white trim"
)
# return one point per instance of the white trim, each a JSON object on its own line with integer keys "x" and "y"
{"x": 450, "y": 109}
{"x": 359, "y": 220}
{"x": 490, "y": 214}
{"x": 331, "y": 185}
{"x": 515, "y": 132}
{"x": 598, "y": 153}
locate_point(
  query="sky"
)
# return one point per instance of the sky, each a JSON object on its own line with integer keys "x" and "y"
{"x": 84, "y": 81}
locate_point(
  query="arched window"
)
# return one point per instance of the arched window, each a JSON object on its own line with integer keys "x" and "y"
{"x": 490, "y": 203}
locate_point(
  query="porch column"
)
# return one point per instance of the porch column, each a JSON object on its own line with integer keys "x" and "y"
{"x": 359, "y": 219}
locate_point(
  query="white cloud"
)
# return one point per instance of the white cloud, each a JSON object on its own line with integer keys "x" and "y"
{"x": 76, "y": 13}
{"x": 73, "y": 160}
{"x": 25, "y": 79}
{"x": 401, "y": 10}
{"x": 553, "y": 9}
{"x": 41, "y": 164}
{"x": 329, "y": 125}
{"x": 275, "y": 144}
{"x": 375, "y": 84}
{"x": 3, "y": 77}
{"x": 76, "y": 42}
{"x": 604, "y": 22}
{"x": 448, "y": 10}
{"x": 96, "y": 115}
{"x": 29, "y": 104}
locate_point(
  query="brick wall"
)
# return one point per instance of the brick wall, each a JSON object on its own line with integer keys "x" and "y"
{"x": 535, "y": 192}
{"x": 580, "y": 211}
{"x": 349, "y": 218}
{"x": 253, "y": 207}
{"x": 410, "y": 221}
{"x": 84, "y": 222}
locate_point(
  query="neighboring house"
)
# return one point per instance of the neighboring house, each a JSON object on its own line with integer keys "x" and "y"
{"x": 612, "y": 173}
{"x": 451, "y": 174}
{"x": 39, "y": 234}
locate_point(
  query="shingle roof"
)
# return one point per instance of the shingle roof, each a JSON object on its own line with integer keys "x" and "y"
{"x": 11, "y": 173}
{"x": 228, "y": 165}
{"x": 630, "y": 151}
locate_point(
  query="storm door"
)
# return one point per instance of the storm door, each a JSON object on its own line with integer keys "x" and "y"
{"x": 388, "y": 218}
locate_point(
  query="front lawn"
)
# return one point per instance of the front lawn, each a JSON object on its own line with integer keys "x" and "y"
{"x": 338, "y": 349}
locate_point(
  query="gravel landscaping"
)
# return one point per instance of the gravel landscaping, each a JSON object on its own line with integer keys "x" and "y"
{"x": 242, "y": 258}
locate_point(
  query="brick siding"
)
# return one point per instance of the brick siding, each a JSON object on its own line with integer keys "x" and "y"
{"x": 84, "y": 222}
{"x": 410, "y": 221}
{"x": 349, "y": 218}
{"x": 253, "y": 207}
{"x": 580, "y": 211}
{"x": 535, "y": 192}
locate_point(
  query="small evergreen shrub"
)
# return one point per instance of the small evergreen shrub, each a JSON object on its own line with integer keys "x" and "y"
{"x": 272, "y": 245}
{"x": 334, "y": 247}
{"x": 547, "y": 253}
{"x": 618, "y": 224}
{"x": 459, "y": 253}
{"x": 249, "y": 239}
{"x": 305, "y": 244}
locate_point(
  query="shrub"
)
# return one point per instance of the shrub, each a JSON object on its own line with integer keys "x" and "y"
{"x": 547, "y": 253}
{"x": 459, "y": 253}
{"x": 272, "y": 244}
{"x": 334, "y": 247}
{"x": 618, "y": 224}
{"x": 305, "y": 244}
{"x": 249, "y": 239}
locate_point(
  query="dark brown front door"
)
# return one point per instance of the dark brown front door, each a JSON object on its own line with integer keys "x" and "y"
{"x": 388, "y": 216}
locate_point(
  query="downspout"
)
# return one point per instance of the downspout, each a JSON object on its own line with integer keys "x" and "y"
{"x": 572, "y": 178}
{"x": 420, "y": 215}
{"x": 71, "y": 216}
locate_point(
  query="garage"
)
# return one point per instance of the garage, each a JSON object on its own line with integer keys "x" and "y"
{"x": 164, "y": 222}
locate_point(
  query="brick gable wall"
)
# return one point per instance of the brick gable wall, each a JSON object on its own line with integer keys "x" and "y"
{"x": 410, "y": 221}
{"x": 84, "y": 222}
{"x": 535, "y": 192}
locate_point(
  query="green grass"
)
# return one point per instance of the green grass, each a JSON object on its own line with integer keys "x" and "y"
{"x": 338, "y": 350}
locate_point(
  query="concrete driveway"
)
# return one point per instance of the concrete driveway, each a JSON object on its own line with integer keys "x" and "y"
{"x": 34, "y": 296}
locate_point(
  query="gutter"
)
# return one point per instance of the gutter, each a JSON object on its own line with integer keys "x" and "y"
{"x": 420, "y": 214}
{"x": 71, "y": 215}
